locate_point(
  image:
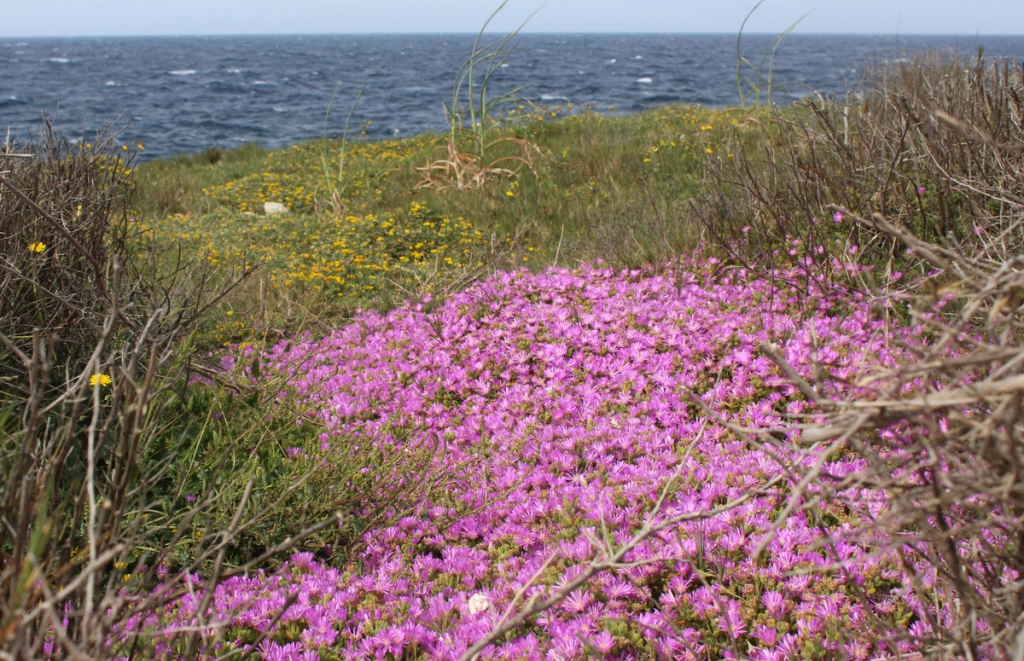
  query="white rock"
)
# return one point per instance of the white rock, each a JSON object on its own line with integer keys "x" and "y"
{"x": 272, "y": 208}
{"x": 478, "y": 603}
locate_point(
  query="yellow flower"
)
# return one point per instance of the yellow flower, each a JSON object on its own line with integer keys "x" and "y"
{"x": 100, "y": 380}
{"x": 38, "y": 246}
{"x": 510, "y": 193}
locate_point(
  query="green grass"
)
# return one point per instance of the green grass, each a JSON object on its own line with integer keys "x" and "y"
{"x": 611, "y": 188}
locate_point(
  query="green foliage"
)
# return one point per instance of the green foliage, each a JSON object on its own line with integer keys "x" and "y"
{"x": 611, "y": 188}
{"x": 476, "y": 119}
{"x": 217, "y": 436}
{"x": 759, "y": 82}
{"x": 336, "y": 183}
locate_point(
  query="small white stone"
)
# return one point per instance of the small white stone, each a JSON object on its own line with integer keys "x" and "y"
{"x": 478, "y": 603}
{"x": 272, "y": 208}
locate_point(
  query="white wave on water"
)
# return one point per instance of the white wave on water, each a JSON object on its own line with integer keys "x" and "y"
{"x": 611, "y": 61}
{"x": 183, "y": 72}
{"x": 60, "y": 60}
{"x": 111, "y": 83}
{"x": 234, "y": 71}
{"x": 263, "y": 82}
{"x": 550, "y": 97}
{"x": 645, "y": 81}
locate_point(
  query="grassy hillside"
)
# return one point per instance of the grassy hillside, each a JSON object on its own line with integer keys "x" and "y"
{"x": 588, "y": 187}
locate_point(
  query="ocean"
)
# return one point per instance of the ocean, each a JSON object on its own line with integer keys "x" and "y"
{"x": 184, "y": 94}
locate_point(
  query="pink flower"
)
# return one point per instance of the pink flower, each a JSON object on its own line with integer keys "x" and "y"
{"x": 767, "y": 635}
{"x": 732, "y": 622}
{"x": 604, "y": 642}
{"x": 775, "y": 603}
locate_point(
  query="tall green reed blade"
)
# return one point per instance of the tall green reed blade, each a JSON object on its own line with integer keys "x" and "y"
{"x": 740, "y": 60}
{"x": 336, "y": 192}
{"x": 755, "y": 85}
{"x": 479, "y": 106}
{"x": 773, "y": 48}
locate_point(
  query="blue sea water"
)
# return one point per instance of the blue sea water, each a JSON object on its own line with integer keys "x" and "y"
{"x": 183, "y": 94}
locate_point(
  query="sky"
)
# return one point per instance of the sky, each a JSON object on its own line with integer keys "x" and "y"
{"x": 51, "y": 18}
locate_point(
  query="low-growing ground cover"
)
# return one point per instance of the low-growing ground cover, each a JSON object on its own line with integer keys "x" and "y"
{"x": 556, "y": 409}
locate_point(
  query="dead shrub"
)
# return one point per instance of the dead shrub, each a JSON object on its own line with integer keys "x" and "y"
{"x": 923, "y": 181}
{"x": 909, "y": 147}
{"x": 64, "y": 215}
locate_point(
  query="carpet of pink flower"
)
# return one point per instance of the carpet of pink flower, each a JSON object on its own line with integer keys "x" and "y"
{"x": 556, "y": 408}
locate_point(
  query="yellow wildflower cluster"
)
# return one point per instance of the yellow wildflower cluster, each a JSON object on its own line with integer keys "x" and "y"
{"x": 345, "y": 243}
{"x": 352, "y": 256}
{"x": 347, "y": 256}
{"x": 304, "y": 174}
{"x": 701, "y": 128}
{"x": 116, "y": 164}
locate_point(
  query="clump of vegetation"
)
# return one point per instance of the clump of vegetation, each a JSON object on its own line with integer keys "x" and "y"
{"x": 477, "y": 148}
{"x": 921, "y": 148}
{"x": 915, "y": 191}
{"x": 64, "y": 216}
